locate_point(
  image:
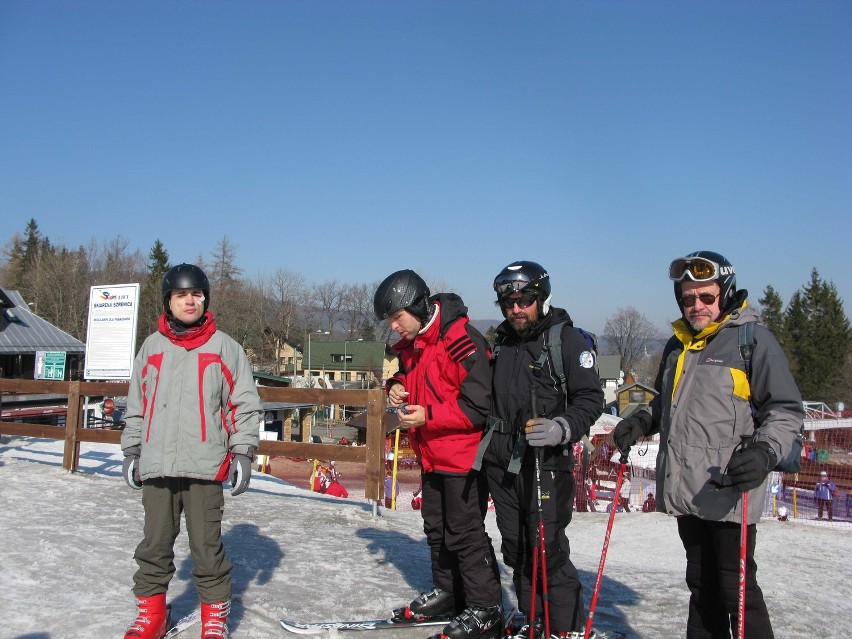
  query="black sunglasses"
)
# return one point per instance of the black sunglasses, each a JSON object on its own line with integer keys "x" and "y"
{"x": 525, "y": 301}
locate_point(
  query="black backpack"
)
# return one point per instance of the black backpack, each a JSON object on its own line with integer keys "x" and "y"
{"x": 791, "y": 463}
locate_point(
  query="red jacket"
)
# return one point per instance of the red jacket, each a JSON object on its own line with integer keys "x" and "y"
{"x": 446, "y": 370}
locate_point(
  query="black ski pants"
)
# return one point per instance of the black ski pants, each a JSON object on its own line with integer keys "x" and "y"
{"x": 463, "y": 559}
{"x": 713, "y": 574}
{"x": 202, "y": 502}
{"x": 516, "y": 503}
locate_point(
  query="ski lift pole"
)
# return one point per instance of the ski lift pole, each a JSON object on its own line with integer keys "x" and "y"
{"x": 622, "y": 465}
{"x": 539, "y": 551}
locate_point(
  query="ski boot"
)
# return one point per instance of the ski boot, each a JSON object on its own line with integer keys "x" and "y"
{"x": 153, "y": 620}
{"x": 474, "y": 623}
{"x": 434, "y": 604}
{"x": 214, "y": 620}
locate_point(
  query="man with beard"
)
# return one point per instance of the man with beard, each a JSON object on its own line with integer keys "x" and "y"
{"x": 520, "y": 437}
{"x": 708, "y": 404}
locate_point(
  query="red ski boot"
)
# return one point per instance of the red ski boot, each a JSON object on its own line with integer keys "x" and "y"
{"x": 214, "y": 620}
{"x": 153, "y": 619}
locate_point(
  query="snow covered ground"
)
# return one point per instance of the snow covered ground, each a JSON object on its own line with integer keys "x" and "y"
{"x": 68, "y": 542}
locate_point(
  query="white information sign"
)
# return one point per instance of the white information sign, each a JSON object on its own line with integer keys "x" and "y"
{"x": 111, "y": 333}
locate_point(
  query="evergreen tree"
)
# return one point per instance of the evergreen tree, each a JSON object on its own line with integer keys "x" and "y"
{"x": 819, "y": 338}
{"x": 151, "y": 295}
{"x": 772, "y": 312}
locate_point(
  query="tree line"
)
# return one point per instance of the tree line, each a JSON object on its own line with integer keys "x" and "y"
{"x": 262, "y": 311}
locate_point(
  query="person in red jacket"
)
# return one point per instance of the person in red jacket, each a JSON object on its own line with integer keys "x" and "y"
{"x": 443, "y": 394}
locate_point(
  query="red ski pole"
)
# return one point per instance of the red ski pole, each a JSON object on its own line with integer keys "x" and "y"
{"x": 622, "y": 465}
{"x": 743, "y": 545}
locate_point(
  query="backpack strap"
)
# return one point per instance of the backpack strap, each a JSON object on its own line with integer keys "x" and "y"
{"x": 746, "y": 345}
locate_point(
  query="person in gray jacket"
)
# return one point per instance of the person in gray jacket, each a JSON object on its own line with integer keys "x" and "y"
{"x": 193, "y": 418}
{"x": 706, "y": 404}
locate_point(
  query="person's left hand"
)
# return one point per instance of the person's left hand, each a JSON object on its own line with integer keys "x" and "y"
{"x": 413, "y": 416}
{"x": 240, "y": 473}
{"x": 541, "y": 431}
{"x": 748, "y": 467}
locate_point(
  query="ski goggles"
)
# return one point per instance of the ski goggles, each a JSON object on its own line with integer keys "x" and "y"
{"x": 698, "y": 269}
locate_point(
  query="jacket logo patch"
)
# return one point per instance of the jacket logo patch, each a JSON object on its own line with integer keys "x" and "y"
{"x": 587, "y": 359}
{"x": 713, "y": 360}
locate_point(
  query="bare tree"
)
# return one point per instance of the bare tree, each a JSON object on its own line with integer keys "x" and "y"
{"x": 223, "y": 267}
{"x": 329, "y": 300}
{"x": 630, "y": 333}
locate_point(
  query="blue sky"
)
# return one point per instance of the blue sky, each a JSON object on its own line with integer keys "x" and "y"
{"x": 346, "y": 140}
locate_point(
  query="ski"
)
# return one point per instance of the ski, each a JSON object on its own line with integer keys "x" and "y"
{"x": 182, "y": 624}
{"x": 358, "y": 624}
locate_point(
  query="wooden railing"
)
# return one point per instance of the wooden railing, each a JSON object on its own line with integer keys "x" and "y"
{"x": 73, "y": 433}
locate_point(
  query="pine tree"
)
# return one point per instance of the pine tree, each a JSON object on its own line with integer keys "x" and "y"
{"x": 151, "y": 297}
{"x": 819, "y": 338}
{"x": 772, "y": 313}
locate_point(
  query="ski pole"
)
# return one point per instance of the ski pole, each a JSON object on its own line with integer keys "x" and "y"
{"x": 746, "y": 443}
{"x": 622, "y": 465}
{"x": 539, "y": 552}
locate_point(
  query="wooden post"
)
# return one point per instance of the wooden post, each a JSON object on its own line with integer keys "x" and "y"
{"x": 375, "y": 463}
{"x": 71, "y": 452}
{"x": 306, "y": 414}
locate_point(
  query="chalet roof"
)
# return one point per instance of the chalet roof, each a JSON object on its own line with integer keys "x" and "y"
{"x": 360, "y": 355}
{"x": 22, "y": 331}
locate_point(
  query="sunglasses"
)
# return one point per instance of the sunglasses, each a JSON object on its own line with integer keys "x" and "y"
{"x": 706, "y": 298}
{"x": 525, "y": 301}
{"x": 698, "y": 269}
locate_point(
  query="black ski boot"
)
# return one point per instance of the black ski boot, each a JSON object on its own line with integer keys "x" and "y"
{"x": 475, "y": 623}
{"x": 435, "y": 604}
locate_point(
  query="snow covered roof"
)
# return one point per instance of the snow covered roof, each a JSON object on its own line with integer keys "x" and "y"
{"x": 22, "y": 331}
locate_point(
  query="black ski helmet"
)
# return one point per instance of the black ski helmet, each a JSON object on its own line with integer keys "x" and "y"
{"x": 724, "y": 276}
{"x": 527, "y": 277}
{"x": 185, "y": 276}
{"x": 403, "y": 289}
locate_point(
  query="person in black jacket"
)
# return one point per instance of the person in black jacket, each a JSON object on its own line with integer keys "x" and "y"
{"x": 518, "y": 434}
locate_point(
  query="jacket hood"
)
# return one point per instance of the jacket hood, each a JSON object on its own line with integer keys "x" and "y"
{"x": 452, "y": 308}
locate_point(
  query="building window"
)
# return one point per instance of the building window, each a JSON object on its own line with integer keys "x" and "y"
{"x": 637, "y": 397}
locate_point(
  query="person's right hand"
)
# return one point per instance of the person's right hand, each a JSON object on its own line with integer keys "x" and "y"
{"x": 626, "y": 433}
{"x": 397, "y": 395}
{"x": 130, "y": 467}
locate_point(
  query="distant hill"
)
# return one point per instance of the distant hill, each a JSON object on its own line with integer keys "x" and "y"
{"x": 483, "y": 325}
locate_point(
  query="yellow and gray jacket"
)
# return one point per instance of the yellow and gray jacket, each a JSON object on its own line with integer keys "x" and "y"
{"x": 704, "y": 407}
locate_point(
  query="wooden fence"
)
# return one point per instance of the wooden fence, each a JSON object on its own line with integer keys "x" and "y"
{"x": 372, "y": 455}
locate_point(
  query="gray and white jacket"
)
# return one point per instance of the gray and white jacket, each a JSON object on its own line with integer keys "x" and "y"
{"x": 704, "y": 406}
{"x": 187, "y": 409}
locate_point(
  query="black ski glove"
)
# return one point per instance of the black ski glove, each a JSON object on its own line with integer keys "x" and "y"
{"x": 130, "y": 467}
{"x": 627, "y": 432}
{"x": 749, "y": 466}
{"x": 239, "y": 472}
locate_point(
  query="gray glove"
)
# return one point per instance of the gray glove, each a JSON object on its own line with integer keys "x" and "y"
{"x": 130, "y": 467}
{"x": 627, "y": 432}
{"x": 541, "y": 431}
{"x": 240, "y": 473}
